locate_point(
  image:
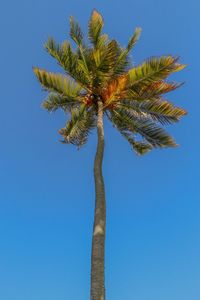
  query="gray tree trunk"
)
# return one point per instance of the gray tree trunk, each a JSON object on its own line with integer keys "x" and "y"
{"x": 98, "y": 239}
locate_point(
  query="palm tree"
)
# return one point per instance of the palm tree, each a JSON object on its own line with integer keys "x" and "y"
{"x": 99, "y": 80}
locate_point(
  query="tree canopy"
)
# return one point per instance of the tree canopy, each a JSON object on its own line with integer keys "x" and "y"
{"x": 99, "y": 69}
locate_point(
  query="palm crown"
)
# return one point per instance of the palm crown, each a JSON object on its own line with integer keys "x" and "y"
{"x": 132, "y": 97}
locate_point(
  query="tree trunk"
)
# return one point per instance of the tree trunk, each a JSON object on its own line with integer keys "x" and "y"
{"x": 98, "y": 239}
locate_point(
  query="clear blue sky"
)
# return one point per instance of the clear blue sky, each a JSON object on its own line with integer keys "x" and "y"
{"x": 47, "y": 191}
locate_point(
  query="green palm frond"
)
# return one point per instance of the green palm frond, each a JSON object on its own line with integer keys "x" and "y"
{"x": 133, "y": 40}
{"x": 59, "y": 52}
{"x": 153, "y": 69}
{"x": 159, "y": 110}
{"x": 95, "y": 27}
{"x": 107, "y": 57}
{"x": 102, "y": 41}
{"x": 156, "y": 136}
{"x": 104, "y": 60}
{"x": 75, "y": 32}
{"x": 74, "y": 65}
{"x": 77, "y": 36}
{"x": 123, "y": 62}
{"x": 140, "y": 147}
{"x": 55, "y": 101}
{"x": 54, "y": 49}
{"x": 58, "y": 83}
{"x": 78, "y": 128}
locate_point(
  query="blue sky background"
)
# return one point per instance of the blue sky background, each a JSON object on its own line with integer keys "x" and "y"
{"x": 46, "y": 188}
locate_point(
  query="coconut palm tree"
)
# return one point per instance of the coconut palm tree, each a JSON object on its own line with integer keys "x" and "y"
{"x": 100, "y": 81}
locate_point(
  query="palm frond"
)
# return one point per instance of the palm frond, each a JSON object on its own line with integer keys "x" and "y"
{"x": 55, "y": 101}
{"x": 54, "y": 49}
{"x": 154, "y": 90}
{"x": 75, "y": 31}
{"x": 154, "y": 69}
{"x": 133, "y": 40}
{"x": 77, "y": 36}
{"x": 95, "y": 27}
{"x": 158, "y": 88}
{"x": 140, "y": 147}
{"x": 78, "y": 128}
{"x": 102, "y": 41}
{"x": 123, "y": 62}
{"x": 108, "y": 56}
{"x": 70, "y": 61}
{"x": 159, "y": 110}
{"x": 156, "y": 136}
{"x": 58, "y": 83}
{"x": 104, "y": 59}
